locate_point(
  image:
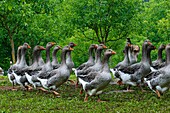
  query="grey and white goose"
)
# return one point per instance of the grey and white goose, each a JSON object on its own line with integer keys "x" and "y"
{"x": 95, "y": 82}
{"x": 90, "y": 62}
{"x": 158, "y": 63}
{"x": 54, "y": 62}
{"x": 47, "y": 67}
{"x": 134, "y": 74}
{"x": 21, "y": 79}
{"x": 125, "y": 61}
{"x": 69, "y": 60}
{"x": 14, "y": 68}
{"x": 133, "y": 52}
{"x": 159, "y": 80}
{"x": 35, "y": 68}
{"x": 98, "y": 65}
{"x": 58, "y": 76}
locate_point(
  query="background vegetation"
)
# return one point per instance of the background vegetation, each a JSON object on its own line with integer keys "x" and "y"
{"x": 83, "y": 22}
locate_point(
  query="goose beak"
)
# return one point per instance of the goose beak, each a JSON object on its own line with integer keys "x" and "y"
{"x": 71, "y": 49}
{"x": 75, "y": 44}
{"x": 52, "y": 43}
{"x": 149, "y": 43}
{"x": 120, "y": 82}
{"x": 113, "y": 52}
{"x": 29, "y": 47}
{"x": 59, "y": 47}
{"x": 129, "y": 45}
{"x": 104, "y": 47}
{"x": 42, "y": 48}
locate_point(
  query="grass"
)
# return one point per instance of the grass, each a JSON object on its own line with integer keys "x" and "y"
{"x": 71, "y": 101}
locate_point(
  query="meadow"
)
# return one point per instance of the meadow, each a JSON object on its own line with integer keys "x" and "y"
{"x": 71, "y": 101}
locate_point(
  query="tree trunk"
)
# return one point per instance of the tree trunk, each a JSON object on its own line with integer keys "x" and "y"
{"x": 12, "y": 47}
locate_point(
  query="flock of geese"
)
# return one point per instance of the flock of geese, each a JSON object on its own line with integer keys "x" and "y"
{"x": 95, "y": 74}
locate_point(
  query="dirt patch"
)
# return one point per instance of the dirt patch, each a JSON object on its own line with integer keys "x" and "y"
{"x": 9, "y": 88}
{"x": 2, "y": 78}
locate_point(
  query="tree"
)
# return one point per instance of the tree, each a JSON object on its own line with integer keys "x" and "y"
{"x": 110, "y": 20}
{"x": 12, "y": 17}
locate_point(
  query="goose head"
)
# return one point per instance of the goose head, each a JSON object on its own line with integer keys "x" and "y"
{"x": 56, "y": 48}
{"x": 71, "y": 44}
{"x": 26, "y": 46}
{"x": 93, "y": 46}
{"x": 38, "y": 48}
{"x": 67, "y": 49}
{"x": 50, "y": 44}
{"x": 135, "y": 52}
{"x": 101, "y": 46}
{"x": 109, "y": 52}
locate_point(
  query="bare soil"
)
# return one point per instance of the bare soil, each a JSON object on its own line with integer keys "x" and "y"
{"x": 9, "y": 88}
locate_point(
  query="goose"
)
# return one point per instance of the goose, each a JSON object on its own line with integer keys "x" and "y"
{"x": 35, "y": 67}
{"x": 69, "y": 60}
{"x": 13, "y": 68}
{"x": 89, "y": 63}
{"x": 20, "y": 79}
{"x": 134, "y": 74}
{"x": 160, "y": 80}
{"x": 95, "y": 82}
{"x": 54, "y": 62}
{"x": 58, "y": 76}
{"x": 125, "y": 61}
{"x": 133, "y": 52}
{"x": 47, "y": 67}
{"x": 159, "y": 61}
{"x": 98, "y": 65}
{"x": 36, "y": 52}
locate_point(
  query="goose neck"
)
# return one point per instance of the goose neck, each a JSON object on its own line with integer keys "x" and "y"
{"x": 23, "y": 61}
{"x": 106, "y": 64}
{"x": 160, "y": 54}
{"x": 54, "y": 57}
{"x": 63, "y": 58}
{"x": 98, "y": 56}
{"x": 69, "y": 54}
{"x": 144, "y": 53}
{"x": 167, "y": 57}
{"x": 47, "y": 54}
{"x": 90, "y": 54}
{"x": 18, "y": 56}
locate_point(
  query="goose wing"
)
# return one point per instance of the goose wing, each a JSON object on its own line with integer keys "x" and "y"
{"x": 88, "y": 78}
{"x": 131, "y": 69}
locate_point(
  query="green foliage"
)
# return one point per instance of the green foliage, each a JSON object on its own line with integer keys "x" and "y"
{"x": 83, "y": 22}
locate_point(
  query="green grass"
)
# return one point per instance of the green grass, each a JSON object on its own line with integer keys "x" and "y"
{"x": 70, "y": 101}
